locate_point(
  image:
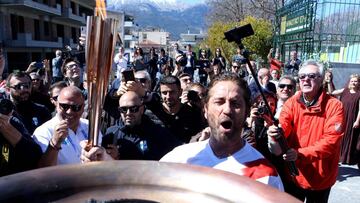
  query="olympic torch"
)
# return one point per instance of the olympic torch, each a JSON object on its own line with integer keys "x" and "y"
{"x": 100, "y": 42}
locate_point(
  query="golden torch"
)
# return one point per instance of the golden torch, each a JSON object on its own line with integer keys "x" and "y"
{"x": 100, "y": 42}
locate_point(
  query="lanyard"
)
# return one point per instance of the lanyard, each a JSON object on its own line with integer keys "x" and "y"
{"x": 73, "y": 144}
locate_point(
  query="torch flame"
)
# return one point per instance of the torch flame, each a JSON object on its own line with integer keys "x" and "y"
{"x": 100, "y": 9}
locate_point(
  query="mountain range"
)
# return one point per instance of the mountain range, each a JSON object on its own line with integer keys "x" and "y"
{"x": 173, "y": 16}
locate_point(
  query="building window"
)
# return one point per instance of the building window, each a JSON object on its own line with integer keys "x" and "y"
{"x": 17, "y": 25}
{"x": 36, "y": 29}
{"x": 127, "y": 45}
{"x": 144, "y": 37}
{"x": 60, "y": 30}
{"x": 46, "y": 28}
{"x": 73, "y": 8}
{"x": 59, "y": 2}
{"x": 73, "y": 34}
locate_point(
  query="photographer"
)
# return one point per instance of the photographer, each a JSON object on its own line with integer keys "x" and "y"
{"x": 18, "y": 150}
{"x": 194, "y": 95}
{"x": 259, "y": 121}
{"x": 56, "y": 66}
{"x": 260, "y": 118}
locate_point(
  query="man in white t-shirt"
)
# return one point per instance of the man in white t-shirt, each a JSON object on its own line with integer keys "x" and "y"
{"x": 59, "y": 138}
{"x": 227, "y": 106}
{"x": 121, "y": 62}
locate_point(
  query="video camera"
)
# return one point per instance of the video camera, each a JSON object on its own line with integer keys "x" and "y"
{"x": 6, "y": 106}
{"x": 236, "y": 34}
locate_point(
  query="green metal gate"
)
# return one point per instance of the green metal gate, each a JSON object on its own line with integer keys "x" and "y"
{"x": 327, "y": 30}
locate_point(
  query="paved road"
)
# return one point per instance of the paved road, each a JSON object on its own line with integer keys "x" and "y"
{"x": 347, "y": 186}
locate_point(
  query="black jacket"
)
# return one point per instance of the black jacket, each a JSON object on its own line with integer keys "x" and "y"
{"x": 147, "y": 141}
{"x": 24, "y": 156}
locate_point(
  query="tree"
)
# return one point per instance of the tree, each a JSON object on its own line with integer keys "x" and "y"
{"x": 237, "y": 10}
{"x": 259, "y": 43}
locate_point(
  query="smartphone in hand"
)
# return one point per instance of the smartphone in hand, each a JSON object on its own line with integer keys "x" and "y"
{"x": 128, "y": 75}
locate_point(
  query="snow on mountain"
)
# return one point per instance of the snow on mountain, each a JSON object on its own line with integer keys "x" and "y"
{"x": 173, "y": 16}
{"x": 162, "y": 5}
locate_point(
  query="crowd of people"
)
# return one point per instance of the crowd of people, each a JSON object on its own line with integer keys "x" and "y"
{"x": 189, "y": 108}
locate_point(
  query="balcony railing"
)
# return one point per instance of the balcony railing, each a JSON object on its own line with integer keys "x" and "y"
{"x": 128, "y": 24}
{"x": 32, "y": 6}
{"x": 129, "y": 37}
{"x": 69, "y": 14}
{"x": 26, "y": 40}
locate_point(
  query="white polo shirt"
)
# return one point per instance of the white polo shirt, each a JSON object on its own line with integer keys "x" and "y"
{"x": 71, "y": 150}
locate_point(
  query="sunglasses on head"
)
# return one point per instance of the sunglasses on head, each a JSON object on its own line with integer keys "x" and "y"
{"x": 73, "y": 107}
{"x": 141, "y": 80}
{"x": 302, "y": 76}
{"x": 21, "y": 86}
{"x": 132, "y": 109}
{"x": 282, "y": 86}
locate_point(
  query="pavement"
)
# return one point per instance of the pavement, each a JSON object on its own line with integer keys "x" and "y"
{"x": 347, "y": 186}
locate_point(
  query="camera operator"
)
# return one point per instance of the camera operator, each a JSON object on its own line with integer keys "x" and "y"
{"x": 259, "y": 121}
{"x": 18, "y": 150}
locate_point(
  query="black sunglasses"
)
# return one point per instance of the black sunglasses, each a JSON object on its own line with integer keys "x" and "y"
{"x": 55, "y": 98}
{"x": 236, "y": 66}
{"x": 282, "y": 86}
{"x": 132, "y": 109}
{"x": 309, "y": 75}
{"x": 73, "y": 107}
{"x": 21, "y": 86}
{"x": 141, "y": 80}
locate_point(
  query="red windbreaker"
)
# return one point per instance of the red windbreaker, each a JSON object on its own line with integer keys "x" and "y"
{"x": 315, "y": 132}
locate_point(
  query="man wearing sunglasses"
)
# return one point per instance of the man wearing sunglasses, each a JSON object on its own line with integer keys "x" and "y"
{"x": 137, "y": 137}
{"x": 59, "y": 138}
{"x": 312, "y": 123}
{"x": 30, "y": 113}
{"x": 285, "y": 89}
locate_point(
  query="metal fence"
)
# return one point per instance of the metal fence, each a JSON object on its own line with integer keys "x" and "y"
{"x": 327, "y": 30}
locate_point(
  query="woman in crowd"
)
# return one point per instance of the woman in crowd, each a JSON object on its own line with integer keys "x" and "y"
{"x": 350, "y": 97}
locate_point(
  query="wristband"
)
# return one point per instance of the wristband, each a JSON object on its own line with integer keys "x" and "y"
{"x": 52, "y": 145}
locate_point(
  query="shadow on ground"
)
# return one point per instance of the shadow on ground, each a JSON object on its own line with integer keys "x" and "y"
{"x": 346, "y": 171}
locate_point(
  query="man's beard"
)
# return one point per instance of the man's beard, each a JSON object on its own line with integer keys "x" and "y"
{"x": 23, "y": 98}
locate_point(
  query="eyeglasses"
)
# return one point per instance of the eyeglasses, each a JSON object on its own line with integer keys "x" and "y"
{"x": 35, "y": 80}
{"x": 282, "y": 86}
{"x": 132, "y": 109}
{"x": 236, "y": 66}
{"x": 55, "y": 98}
{"x": 141, "y": 80}
{"x": 312, "y": 76}
{"x": 21, "y": 86}
{"x": 73, "y": 107}
{"x": 72, "y": 66}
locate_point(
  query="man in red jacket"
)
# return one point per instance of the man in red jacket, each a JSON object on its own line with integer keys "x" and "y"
{"x": 312, "y": 123}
